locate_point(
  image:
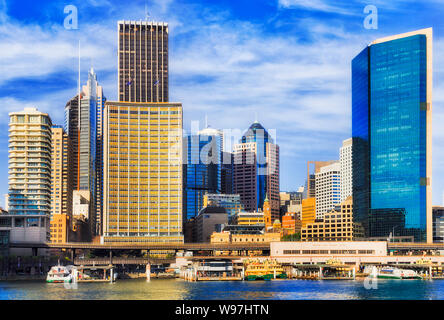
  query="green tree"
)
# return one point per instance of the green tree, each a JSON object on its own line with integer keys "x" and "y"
{"x": 292, "y": 237}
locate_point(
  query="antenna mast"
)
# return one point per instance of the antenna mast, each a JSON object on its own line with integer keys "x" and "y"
{"x": 78, "y": 82}
{"x": 147, "y": 16}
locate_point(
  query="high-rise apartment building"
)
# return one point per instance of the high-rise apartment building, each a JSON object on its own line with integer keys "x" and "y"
{"x": 142, "y": 172}
{"x": 142, "y": 61}
{"x": 30, "y": 165}
{"x": 391, "y": 130}
{"x": 328, "y": 188}
{"x": 202, "y": 170}
{"x": 345, "y": 158}
{"x": 61, "y": 185}
{"x": 256, "y": 170}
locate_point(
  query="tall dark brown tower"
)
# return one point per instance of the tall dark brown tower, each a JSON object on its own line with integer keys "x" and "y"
{"x": 71, "y": 127}
{"x": 143, "y": 61}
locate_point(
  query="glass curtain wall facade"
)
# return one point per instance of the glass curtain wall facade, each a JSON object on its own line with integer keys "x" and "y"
{"x": 258, "y": 135}
{"x": 391, "y": 124}
{"x": 84, "y": 127}
{"x": 202, "y": 171}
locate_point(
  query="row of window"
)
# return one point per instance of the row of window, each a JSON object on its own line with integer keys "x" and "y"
{"x": 294, "y": 252}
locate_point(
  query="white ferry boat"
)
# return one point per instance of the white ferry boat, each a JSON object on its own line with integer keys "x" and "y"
{"x": 60, "y": 274}
{"x": 395, "y": 273}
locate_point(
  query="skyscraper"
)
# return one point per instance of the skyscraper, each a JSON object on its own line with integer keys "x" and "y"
{"x": 143, "y": 61}
{"x": 310, "y": 183}
{"x": 61, "y": 198}
{"x": 100, "y": 105}
{"x": 84, "y": 128}
{"x": 142, "y": 172}
{"x": 61, "y": 185}
{"x": 71, "y": 126}
{"x": 328, "y": 188}
{"x": 345, "y": 158}
{"x": 256, "y": 170}
{"x": 227, "y": 173}
{"x": 30, "y": 163}
{"x": 202, "y": 170}
{"x": 391, "y": 121}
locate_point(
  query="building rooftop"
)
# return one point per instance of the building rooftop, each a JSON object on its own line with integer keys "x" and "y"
{"x": 244, "y": 229}
{"x": 256, "y": 129}
{"x": 212, "y": 209}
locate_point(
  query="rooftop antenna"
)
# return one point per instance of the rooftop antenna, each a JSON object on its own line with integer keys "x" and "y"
{"x": 147, "y": 15}
{"x": 78, "y": 127}
{"x": 78, "y": 81}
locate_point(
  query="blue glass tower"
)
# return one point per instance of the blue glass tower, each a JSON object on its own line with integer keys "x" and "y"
{"x": 391, "y": 128}
{"x": 257, "y": 133}
{"x": 202, "y": 171}
{"x": 256, "y": 170}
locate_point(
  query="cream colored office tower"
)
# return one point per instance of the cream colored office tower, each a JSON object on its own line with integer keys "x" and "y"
{"x": 142, "y": 172}
{"x": 345, "y": 158}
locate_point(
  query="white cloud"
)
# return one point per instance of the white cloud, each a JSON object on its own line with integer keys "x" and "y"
{"x": 222, "y": 67}
{"x": 318, "y": 5}
{"x": 348, "y": 7}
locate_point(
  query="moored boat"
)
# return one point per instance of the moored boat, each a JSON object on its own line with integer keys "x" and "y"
{"x": 263, "y": 270}
{"x": 396, "y": 273}
{"x": 60, "y": 274}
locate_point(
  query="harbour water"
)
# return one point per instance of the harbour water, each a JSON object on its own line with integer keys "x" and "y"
{"x": 176, "y": 289}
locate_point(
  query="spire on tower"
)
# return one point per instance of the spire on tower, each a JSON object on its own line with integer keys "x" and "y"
{"x": 147, "y": 15}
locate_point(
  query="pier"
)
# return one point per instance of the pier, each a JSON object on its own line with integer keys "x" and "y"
{"x": 103, "y": 274}
{"x": 323, "y": 272}
{"x": 198, "y": 261}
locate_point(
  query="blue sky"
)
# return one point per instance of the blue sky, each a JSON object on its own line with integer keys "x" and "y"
{"x": 285, "y": 61}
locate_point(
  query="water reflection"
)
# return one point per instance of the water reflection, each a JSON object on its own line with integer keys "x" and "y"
{"x": 175, "y": 289}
